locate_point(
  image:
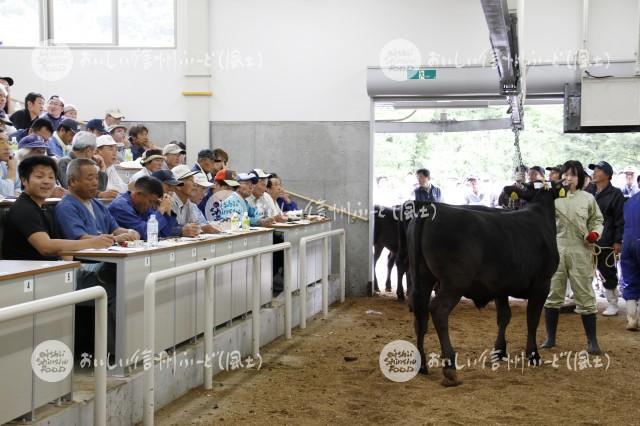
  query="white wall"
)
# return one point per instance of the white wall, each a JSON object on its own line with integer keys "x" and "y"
{"x": 310, "y": 57}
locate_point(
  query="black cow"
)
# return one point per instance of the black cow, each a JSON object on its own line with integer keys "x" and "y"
{"x": 482, "y": 254}
{"x": 385, "y": 235}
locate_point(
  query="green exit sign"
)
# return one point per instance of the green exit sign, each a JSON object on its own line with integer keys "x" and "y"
{"x": 421, "y": 74}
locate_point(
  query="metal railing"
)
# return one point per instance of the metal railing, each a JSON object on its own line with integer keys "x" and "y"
{"x": 100, "y": 361}
{"x": 209, "y": 267}
{"x": 302, "y": 271}
{"x": 329, "y": 207}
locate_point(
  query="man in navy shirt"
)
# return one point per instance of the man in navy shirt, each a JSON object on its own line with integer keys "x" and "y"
{"x": 425, "y": 190}
{"x": 79, "y": 214}
{"x": 133, "y": 208}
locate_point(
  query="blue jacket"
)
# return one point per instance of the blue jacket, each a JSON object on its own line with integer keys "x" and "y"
{"x": 127, "y": 217}
{"x": 136, "y": 151}
{"x": 630, "y": 259}
{"x": 286, "y": 207}
{"x": 74, "y": 220}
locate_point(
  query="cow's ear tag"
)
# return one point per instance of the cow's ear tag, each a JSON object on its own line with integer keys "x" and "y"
{"x": 514, "y": 196}
{"x": 562, "y": 193}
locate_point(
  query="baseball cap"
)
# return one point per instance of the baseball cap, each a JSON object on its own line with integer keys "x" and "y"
{"x": 182, "y": 172}
{"x": 96, "y": 124}
{"x": 227, "y": 176}
{"x": 111, "y": 128}
{"x": 8, "y": 80}
{"x": 69, "y": 107}
{"x": 59, "y": 99}
{"x": 260, "y": 173}
{"x": 115, "y": 113}
{"x": 105, "y": 140}
{"x": 538, "y": 169}
{"x": 172, "y": 148}
{"x": 628, "y": 169}
{"x": 200, "y": 179}
{"x": 242, "y": 177}
{"x": 206, "y": 153}
{"x": 165, "y": 176}
{"x": 604, "y": 166}
{"x": 82, "y": 140}
{"x": 150, "y": 155}
{"x": 557, "y": 168}
{"x": 32, "y": 141}
{"x": 70, "y": 124}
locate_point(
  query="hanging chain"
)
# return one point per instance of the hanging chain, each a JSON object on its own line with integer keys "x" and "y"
{"x": 518, "y": 166}
{"x": 518, "y": 171}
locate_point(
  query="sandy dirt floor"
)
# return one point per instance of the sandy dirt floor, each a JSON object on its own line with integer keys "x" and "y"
{"x": 308, "y": 381}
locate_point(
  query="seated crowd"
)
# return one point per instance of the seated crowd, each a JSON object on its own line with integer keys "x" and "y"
{"x": 59, "y": 157}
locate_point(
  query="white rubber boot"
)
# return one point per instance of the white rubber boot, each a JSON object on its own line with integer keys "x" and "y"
{"x": 632, "y": 315}
{"x": 612, "y": 307}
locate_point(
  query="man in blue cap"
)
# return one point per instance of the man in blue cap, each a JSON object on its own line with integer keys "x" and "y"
{"x": 32, "y": 145}
{"x": 611, "y": 202}
{"x": 96, "y": 127}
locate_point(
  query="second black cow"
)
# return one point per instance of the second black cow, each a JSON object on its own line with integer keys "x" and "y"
{"x": 484, "y": 255}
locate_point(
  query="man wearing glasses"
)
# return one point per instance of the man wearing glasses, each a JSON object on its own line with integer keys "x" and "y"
{"x": 60, "y": 142}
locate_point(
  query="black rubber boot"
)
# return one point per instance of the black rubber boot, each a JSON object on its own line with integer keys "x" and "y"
{"x": 551, "y": 323}
{"x": 589, "y": 323}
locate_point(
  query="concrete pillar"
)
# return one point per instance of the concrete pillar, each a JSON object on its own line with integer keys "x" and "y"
{"x": 197, "y": 76}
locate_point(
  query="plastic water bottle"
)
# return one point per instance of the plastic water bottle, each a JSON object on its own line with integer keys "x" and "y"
{"x": 152, "y": 231}
{"x": 235, "y": 223}
{"x": 128, "y": 155}
{"x": 245, "y": 222}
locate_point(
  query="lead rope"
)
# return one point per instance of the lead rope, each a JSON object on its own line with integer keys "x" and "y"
{"x": 609, "y": 261}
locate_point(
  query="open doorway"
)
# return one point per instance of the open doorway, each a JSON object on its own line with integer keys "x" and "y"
{"x": 455, "y": 157}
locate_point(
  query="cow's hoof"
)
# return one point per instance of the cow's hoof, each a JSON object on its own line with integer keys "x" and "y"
{"x": 388, "y": 288}
{"x": 499, "y": 355}
{"x": 450, "y": 378}
{"x": 401, "y": 298}
{"x": 424, "y": 370}
{"x": 534, "y": 359}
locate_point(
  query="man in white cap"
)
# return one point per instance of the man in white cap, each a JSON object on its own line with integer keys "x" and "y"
{"x": 261, "y": 200}
{"x": 629, "y": 189}
{"x": 112, "y": 116}
{"x": 202, "y": 185}
{"x": 172, "y": 156}
{"x": 83, "y": 145}
{"x": 182, "y": 207}
{"x": 151, "y": 160}
{"x": 107, "y": 149}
